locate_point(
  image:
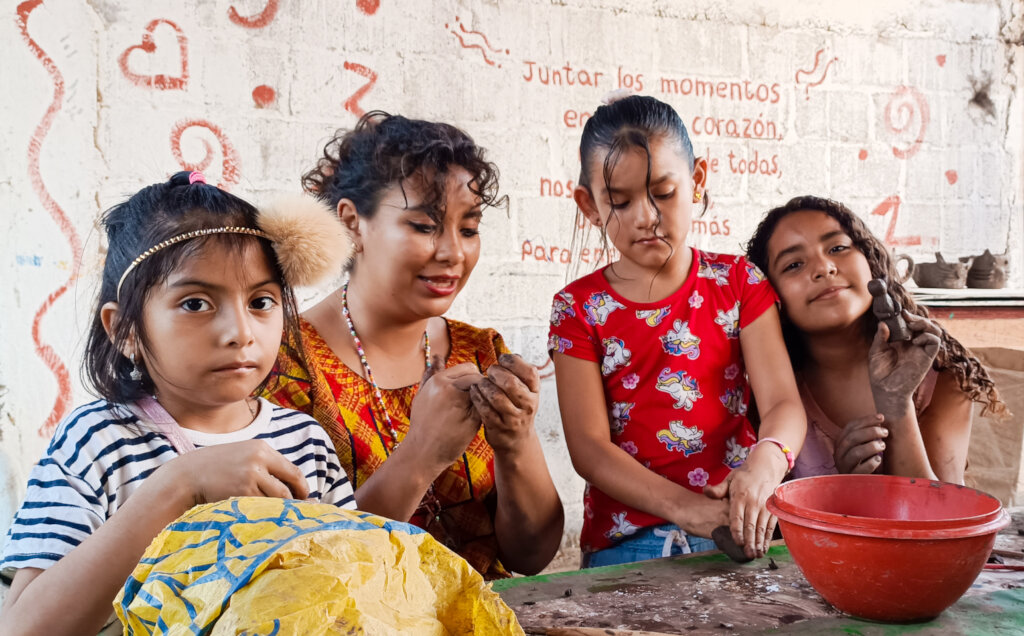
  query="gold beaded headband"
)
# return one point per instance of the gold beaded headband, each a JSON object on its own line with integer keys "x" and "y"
{"x": 308, "y": 238}
{"x": 185, "y": 237}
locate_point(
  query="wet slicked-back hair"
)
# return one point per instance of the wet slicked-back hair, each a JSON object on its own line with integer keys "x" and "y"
{"x": 953, "y": 356}
{"x": 149, "y": 217}
{"x": 629, "y": 124}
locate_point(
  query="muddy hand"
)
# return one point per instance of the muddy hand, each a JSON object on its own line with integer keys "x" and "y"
{"x": 860, "y": 445}
{"x": 507, "y": 401}
{"x": 896, "y": 369}
{"x": 443, "y": 420}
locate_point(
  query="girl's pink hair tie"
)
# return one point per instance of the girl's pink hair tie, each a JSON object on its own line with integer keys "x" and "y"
{"x": 196, "y": 177}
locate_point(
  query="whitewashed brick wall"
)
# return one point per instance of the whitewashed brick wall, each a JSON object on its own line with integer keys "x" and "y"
{"x": 917, "y": 99}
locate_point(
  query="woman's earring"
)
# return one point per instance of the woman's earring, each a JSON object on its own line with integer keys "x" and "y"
{"x": 697, "y": 196}
{"x": 136, "y": 374}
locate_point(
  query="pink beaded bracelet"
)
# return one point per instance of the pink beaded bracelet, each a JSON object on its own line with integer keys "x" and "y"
{"x": 790, "y": 457}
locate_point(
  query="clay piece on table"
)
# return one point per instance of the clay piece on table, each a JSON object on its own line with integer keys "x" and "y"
{"x": 722, "y": 537}
{"x": 988, "y": 271}
{"x": 888, "y": 310}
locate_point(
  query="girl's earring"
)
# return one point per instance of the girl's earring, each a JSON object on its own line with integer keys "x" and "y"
{"x": 136, "y": 374}
{"x": 697, "y": 196}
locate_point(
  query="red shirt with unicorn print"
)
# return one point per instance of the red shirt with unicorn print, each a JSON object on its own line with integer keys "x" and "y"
{"x": 674, "y": 381}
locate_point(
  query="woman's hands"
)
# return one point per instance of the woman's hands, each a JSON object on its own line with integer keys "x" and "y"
{"x": 442, "y": 424}
{"x": 860, "y": 445}
{"x": 747, "y": 488}
{"x": 896, "y": 369}
{"x": 445, "y": 418}
{"x": 506, "y": 401}
{"x": 528, "y": 518}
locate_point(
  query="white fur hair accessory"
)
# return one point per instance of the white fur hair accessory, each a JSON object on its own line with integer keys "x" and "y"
{"x": 309, "y": 239}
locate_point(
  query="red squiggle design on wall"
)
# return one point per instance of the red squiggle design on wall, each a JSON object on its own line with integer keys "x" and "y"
{"x": 824, "y": 72}
{"x": 907, "y": 116}
{"x": 258, "y": 21}
{"x": 352, "y": 103}
{"x": 158, "y": 81}
{"x": 545, "y": 374}
{"x": 468, "y": 32}
{"x": 45, "y": 352}
{"x": 229, "y": 165}
{"x": 472, "y": 32}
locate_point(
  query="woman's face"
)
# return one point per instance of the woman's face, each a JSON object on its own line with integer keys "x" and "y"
{"x": 409, "y": 261}
{"x": 818, "y": 273}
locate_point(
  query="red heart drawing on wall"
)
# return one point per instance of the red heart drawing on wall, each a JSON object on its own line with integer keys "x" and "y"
{"x": 941, "y": 59}
{"x": 158, "y": 81}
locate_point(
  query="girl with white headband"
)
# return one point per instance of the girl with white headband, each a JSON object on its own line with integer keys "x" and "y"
{"x": 196, "y": 289}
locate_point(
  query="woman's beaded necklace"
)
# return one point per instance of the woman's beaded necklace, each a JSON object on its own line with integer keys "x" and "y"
{"x": 429, "y": 506}
{"x": 366, "y": 365}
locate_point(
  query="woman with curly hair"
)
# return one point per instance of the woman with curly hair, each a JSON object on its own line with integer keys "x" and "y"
{"x": 456, "y": 454}
{"x": 901, "y": 408}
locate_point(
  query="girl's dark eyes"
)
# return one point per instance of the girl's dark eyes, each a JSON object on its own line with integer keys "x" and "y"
{"x": 470, "y": 232}
{"x": 665, "y": 196}
{"x": 791, "y": 266}
{"x": 264, "y": 303}
{"x": 195, "y": 304}
{"x": 838, "y": 248}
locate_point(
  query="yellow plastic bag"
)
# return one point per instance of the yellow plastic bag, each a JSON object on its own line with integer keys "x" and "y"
{"x": 258, "y": 565}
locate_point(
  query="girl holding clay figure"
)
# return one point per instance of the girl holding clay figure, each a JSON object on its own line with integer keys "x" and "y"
{"x": 820, "y": 257}
{"x": 456, "y": 455}
{"x": 652, "y": 355}
{"x": 189, "y": 268}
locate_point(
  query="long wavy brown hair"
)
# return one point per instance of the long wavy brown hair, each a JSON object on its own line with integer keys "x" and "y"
{"x": 953, "y": 356}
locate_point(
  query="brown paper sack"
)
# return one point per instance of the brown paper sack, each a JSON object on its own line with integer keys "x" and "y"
{"x": 994, "y": 458}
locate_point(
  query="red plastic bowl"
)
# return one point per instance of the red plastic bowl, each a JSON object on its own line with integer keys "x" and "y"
{"x": 887, "y": 548}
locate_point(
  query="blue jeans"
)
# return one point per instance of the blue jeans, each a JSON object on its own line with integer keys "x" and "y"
{"x": 653, "y": 542}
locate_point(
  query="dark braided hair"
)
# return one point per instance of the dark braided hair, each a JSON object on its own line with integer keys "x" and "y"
{"x": 953, "y": 356}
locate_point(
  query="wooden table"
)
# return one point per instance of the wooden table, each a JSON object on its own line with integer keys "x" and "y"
{"x": 708, "y": 594}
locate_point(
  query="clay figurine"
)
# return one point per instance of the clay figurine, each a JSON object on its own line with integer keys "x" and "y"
{"x": 888, "y": 310}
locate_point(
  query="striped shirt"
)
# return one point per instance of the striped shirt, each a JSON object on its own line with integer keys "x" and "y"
{"x": 102, "y": 452}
